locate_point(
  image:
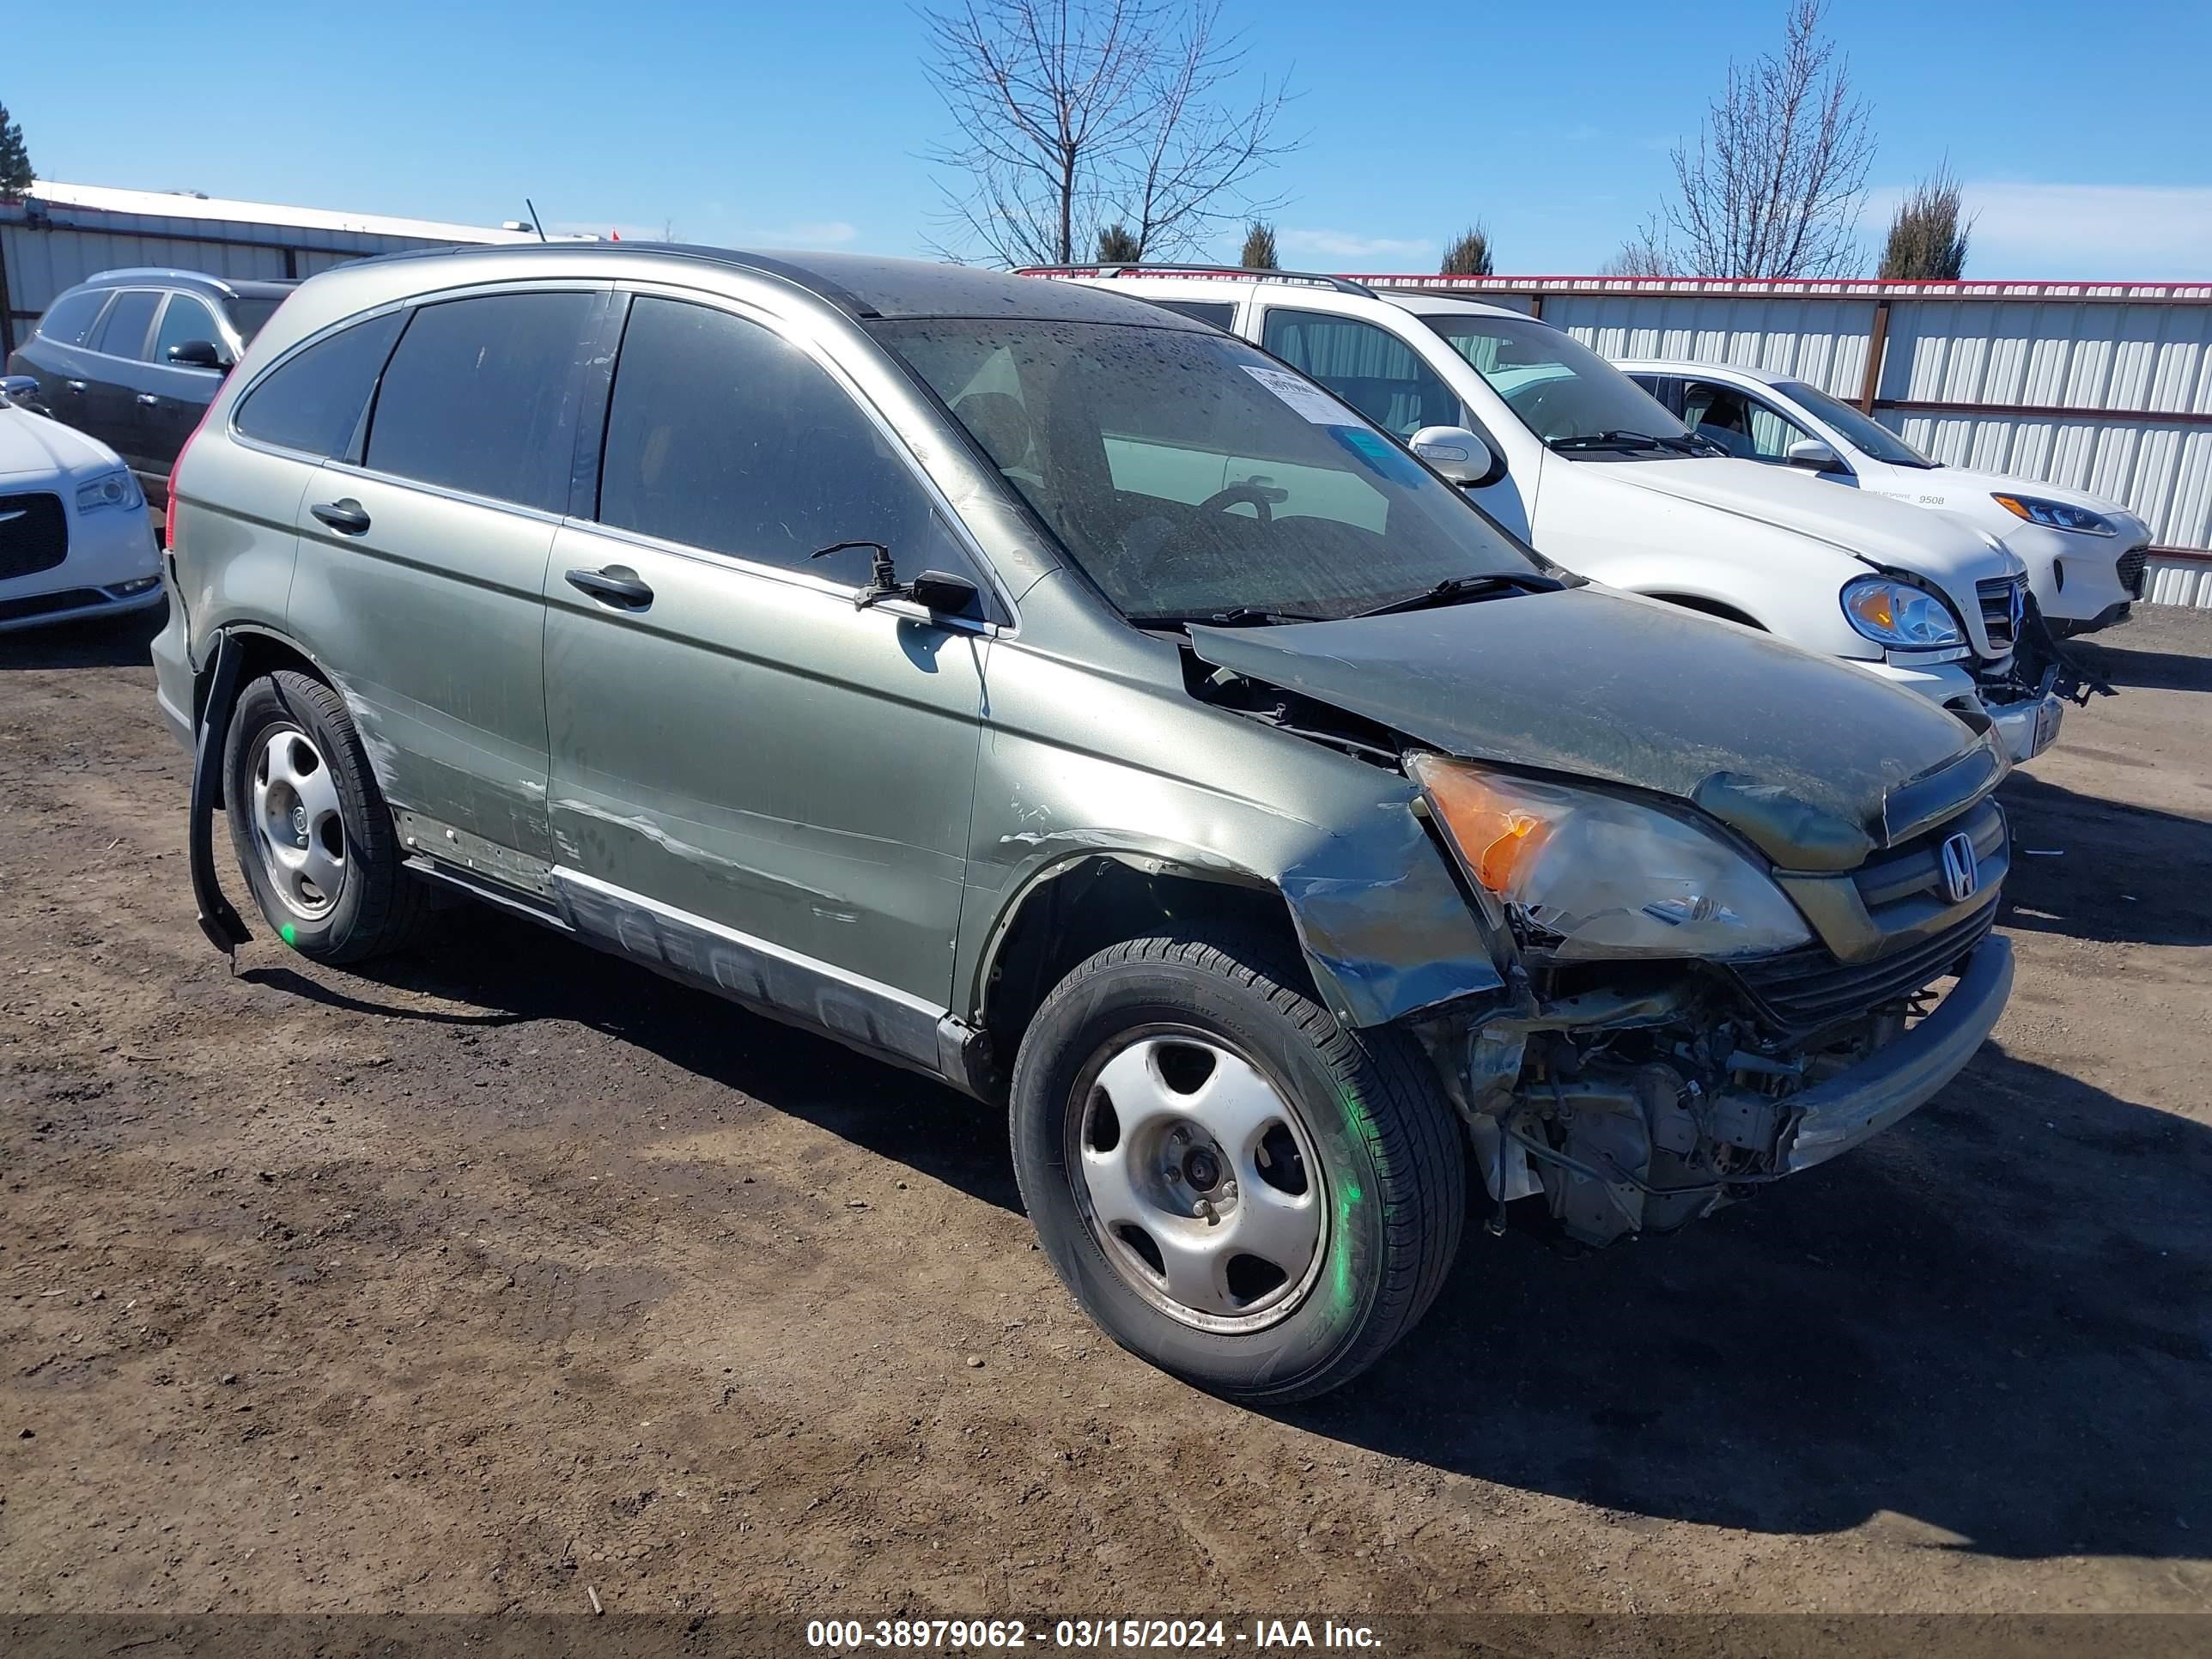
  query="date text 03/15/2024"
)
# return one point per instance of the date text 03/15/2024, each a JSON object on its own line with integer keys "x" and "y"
{"x": 1162, "y": 1635}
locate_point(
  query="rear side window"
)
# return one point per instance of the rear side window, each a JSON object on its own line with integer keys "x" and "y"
{"x": 478, "y": 396}
{"x": 1222, "y": 316}
{"x": 123, "y": 333}
{"x": 722, "y": 437}
{"x": 314, "y": 401}
{"x": 70, "y": 318}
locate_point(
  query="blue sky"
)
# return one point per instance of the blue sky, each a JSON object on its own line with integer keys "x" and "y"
{"x": 2079, "y": 129}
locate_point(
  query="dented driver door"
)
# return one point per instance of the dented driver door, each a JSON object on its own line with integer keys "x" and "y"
{"x": 734, "y": 739}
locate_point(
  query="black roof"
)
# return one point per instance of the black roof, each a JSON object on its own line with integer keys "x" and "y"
{"x": 869, "y": 285}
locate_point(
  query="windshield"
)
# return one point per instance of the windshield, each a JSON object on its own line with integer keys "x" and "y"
{"x": 1860, "y": 431}
{"x": 247, "y": 316}
{"x": 1561, "y": 390}
{"x": 1192, "y": 476}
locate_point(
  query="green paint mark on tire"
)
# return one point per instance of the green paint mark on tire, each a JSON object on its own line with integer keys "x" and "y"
{"x": 289, "y": 937}
{"x": 1347, "y": 1196}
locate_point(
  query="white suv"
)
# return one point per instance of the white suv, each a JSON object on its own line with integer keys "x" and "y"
{"x": 1572, "y": 455}
{"x": 2085, "y": 555}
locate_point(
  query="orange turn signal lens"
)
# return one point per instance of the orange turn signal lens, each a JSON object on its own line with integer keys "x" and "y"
{"x": 1496, "y": 837}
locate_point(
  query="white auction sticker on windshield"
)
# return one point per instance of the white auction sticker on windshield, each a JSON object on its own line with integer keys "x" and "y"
{"x": 1310, "y": 400}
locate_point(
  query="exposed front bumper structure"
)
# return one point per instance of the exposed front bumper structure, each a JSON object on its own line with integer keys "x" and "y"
{"x": 1836, "y": 1115}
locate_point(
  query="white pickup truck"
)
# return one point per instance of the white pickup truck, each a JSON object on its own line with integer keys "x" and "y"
{"x": 1572, "y": 455}
{"x": 2085, "y": 555}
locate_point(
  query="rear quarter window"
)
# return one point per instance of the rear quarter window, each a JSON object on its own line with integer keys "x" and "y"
{"x": 313, "y": 401}
{"x": 479, "y": 396}
{"x": 69, "y": 320}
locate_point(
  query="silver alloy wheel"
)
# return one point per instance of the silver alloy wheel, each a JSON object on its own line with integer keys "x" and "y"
{"x": 1199, "y": 1180}
{"x": 297, "y": 824}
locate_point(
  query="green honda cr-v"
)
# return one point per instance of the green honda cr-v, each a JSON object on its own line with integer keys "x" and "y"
{"x": 1034, "y": 688}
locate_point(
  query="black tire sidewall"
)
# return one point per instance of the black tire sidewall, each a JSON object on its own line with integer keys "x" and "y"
{"x": 286, "y": 700}
{"x": 1333, "y": 1316}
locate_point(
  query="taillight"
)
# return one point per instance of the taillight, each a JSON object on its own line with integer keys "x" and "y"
{"x": 169, "y": 512}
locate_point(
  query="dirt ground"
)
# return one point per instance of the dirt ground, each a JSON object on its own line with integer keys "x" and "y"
{"x": 507, "y": 1268}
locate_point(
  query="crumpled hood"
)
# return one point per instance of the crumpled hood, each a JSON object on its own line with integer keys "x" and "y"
{"x": 1934, "y": 545}
{"x": 1803, "y": 755}
{"x": 32, "y": 444}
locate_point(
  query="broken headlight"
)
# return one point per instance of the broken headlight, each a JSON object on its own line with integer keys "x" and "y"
{"x": 1609, "y": 876}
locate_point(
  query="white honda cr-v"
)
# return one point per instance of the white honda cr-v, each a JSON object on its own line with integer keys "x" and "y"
{"x": 1572, "y": 455}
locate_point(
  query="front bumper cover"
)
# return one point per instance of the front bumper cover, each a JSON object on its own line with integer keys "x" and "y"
{"x": 1856, "y": 1105}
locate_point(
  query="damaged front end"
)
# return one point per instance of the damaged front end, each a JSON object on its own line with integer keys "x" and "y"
{"x": 1637, "y": 1086}
{"x": 1632, "y": 1111}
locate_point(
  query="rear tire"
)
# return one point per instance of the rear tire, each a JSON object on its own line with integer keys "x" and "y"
{"x": 1219, "y": 1041}
{"x": 313, "y": 836}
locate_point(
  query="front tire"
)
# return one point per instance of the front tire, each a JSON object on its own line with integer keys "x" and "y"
{"x": 314, "y": 838}
{"x": 1235, "y": 1189}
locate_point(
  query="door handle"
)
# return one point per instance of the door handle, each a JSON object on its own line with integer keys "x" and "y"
{"x": 74, "y": 385}
{"x": 616, "y": 584}
{"x": 148, "y": 398}
{"x": 346, "y": 516}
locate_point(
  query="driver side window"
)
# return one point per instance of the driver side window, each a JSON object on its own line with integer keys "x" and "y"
{"x": 1377, "y": 374}
{"x": 1741, "y": 423}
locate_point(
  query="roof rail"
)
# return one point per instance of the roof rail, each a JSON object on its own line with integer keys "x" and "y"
{"x": 160, "y": 273}
{"x": 1250, "y": 273}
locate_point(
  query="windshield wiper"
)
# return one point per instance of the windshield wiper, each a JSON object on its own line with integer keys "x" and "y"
{"x": 1614, "y": 440}
{"x": 1693, "y": 443}
{"x": 1242, "y": 616}
{"x": 1453, "y": 589}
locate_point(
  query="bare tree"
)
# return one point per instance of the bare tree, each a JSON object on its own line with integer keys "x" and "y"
{"x": 1775, "y": 183}
{"x": 1643, "y": 254}
{"x": 1072, "y": 115}
{"x": 1260, "y": 247}
{"x": 1469, "y": 254}
{"x": 1928, "y": 234}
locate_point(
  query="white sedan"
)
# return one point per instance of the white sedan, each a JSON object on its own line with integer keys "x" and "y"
{"x": 2085, "y": 555}
{"x": 76, "y": 540}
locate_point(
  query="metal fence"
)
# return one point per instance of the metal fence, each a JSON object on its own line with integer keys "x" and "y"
{"x": 2103, "y": 386}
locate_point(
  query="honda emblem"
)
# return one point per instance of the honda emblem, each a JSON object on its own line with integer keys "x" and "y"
{"x": 1960, "y": 875}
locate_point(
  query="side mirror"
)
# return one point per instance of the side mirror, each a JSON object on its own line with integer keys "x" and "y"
{"x": 197, "y": 354}
{"x": 1813, "y": 456}
{"x": 15, "y": 388}
{"x": 942, "y": 593}
{"x": 1455, "y": 452}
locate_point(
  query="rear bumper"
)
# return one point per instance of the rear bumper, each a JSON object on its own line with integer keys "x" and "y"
{"x": 1856, "y": 1105}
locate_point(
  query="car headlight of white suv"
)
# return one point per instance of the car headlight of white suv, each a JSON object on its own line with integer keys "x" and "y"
{"x": 115, "y": 488}
{"x": 1610, "y": 877}
{"x": 2056, "y": 515}
{"x": 1900, "y": 615}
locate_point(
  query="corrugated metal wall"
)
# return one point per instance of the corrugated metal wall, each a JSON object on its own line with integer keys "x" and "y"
{"x": 40, "y": 256}
{"x": 2018, "y": 372}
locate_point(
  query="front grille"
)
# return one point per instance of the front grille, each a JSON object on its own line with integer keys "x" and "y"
{"x": 2001, "y": 599}
{"x": 33, "y": 534}
{"x": 1804, "y": 989}
{"x": 45, "y": 605}
{"x": 1896, "y": 883}
{"x": 2131, "y": 569}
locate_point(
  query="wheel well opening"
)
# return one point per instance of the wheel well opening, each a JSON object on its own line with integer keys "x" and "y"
{"x": 259, "y": 655}
{"x": 1711, "y": 608}
{"x": 1098, "y": 902}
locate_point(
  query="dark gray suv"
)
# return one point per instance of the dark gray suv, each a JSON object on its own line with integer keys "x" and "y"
{"x": 133, "y": 358}
{"x": 1061, "y": 698}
